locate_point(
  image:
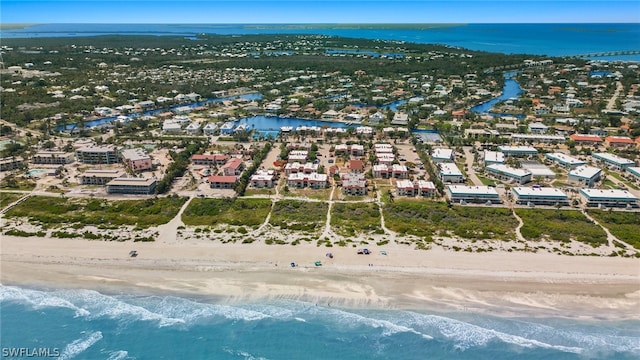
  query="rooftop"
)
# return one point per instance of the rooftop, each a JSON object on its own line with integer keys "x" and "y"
{"x": 472, "y": 190}
{"x": 608, "y": 194}
{"x": 539, "y": 191}
{"x": 586, "y": 172}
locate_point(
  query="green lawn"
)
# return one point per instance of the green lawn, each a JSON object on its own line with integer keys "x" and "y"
{"x": 232, "y": 211}
{"x": 623, "y": 225}
{"x": 560, "y": 225}
{"x": 53, "y": 211}
{"x": 428, "y": 218}
{"x": 350, "y": 219}
{"x": 299, "y": 215}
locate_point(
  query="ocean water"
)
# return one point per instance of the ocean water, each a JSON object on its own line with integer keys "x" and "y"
{"x": 538, "y": 39}
{"x": 85, "y": 324}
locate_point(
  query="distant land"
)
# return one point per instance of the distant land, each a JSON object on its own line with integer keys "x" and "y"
{"x": 14, "y": 26}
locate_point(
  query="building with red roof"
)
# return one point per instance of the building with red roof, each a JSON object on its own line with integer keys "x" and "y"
{"x": 222, "y": 182}
{"x": 356, "y": 166}
{"x": 618, "y": 141}
{"x": 586, "y": 139}
{"x": 233, "y": 167}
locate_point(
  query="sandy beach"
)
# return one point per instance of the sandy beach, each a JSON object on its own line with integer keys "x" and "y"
{"x": 499, "y": 283}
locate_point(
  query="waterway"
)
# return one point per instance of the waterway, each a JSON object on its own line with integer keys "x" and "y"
{"x": 110, "y": 119}
{"x": 511, "y": 90}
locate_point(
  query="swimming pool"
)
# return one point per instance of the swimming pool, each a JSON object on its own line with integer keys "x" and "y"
{"x": 36, "y": 172}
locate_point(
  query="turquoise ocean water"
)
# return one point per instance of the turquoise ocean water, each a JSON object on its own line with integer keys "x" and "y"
{"x": 84, "y": 324}
{"x": 539, "y": 39}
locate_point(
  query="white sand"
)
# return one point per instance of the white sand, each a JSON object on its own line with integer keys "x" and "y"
{"x": 500, "y": 283}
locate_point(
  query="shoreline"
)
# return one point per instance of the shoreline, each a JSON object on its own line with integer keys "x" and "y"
{"x": 501, "y": 283}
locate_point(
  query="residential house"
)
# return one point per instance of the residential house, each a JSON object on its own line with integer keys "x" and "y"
{"x": 193, "y": 128}
{"x": 210, "y": 129}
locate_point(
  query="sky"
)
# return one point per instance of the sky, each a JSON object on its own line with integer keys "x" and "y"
{"x": 319, "y": 11}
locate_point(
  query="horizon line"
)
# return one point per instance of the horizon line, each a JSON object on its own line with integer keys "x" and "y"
{"x": 306, "y": 23}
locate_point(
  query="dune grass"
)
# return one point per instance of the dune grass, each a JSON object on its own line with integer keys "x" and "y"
{"x": 52, "y": 211}
{"x": 623, "y": 225}
{"x": 299, "y": 215}
{"x": 560, "y": 225}
{"x": 7, "y": 198}
{"x": 350, "y": 219}
{"x": 232, "y": 211}
{"x": 429, "y": 218}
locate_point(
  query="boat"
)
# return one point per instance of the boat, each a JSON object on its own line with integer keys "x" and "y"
{"x": 286, "y": 128}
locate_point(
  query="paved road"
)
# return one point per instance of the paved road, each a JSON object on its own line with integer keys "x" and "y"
{"x": 470, "y": 172}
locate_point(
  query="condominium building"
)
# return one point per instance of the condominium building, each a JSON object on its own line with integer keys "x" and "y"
{"x": 508, "y": 173}
{"x": 99, "y": 177}
{"x": 472, "y": 194}
{"x": 609, "y": 198}
{"x": 136, "y": 159}
{"x": 540, "y": 196}
{"x": 135, "y": 186}
{"x": 97, "y": 154}
{"x": 585, "y": 175}
{"x": 52, "y": 158}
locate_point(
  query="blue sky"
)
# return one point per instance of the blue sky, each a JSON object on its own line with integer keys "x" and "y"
{"x": 319, "y": 11}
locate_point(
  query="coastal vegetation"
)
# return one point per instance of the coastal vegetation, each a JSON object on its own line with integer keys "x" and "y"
{"x": 425, "y": 219}
{"x": 623, "y": 225}
{"x": 52, "y": 212}
{"x": 178, "y": 167}
{"x": 350, "y": 219}
{"x": 7, "y": 198}
{"x": 560, "y": 225}
{"x": 299, "y": 215}
{"x": 12, "y": 182}
{"x": 230, "y": 211}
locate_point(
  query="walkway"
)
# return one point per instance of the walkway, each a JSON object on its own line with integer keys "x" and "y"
{"x": 169, "y": 232}
{"x": 610, "y": 238}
